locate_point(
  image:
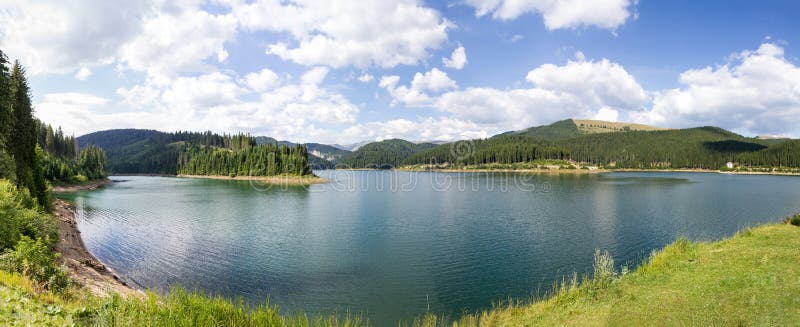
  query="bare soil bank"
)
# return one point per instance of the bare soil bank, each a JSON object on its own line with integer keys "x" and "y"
{"x": 81, "y": 265}
{"x": 86, "y": 187}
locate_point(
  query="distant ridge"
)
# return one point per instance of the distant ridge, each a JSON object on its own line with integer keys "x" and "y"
{"x": 570, "y": 128}
{"x": 589, "y": 126}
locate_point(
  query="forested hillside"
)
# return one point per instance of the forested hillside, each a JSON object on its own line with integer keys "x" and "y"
{"x": 383, "y": 155}
{"x": 702, "y": 148}
{"x": 564, "y": 129}
{"x": 63, "y": 162}
{"x": 133, "y": 151}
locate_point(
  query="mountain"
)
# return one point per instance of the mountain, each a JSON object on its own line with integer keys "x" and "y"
{"x": 571, "y": 128}
{"x": 327, "y": 152}
{"x": 350, "y": 147}
{"x": 134, "y": 151}
{"x": 383, "y": 155}
{"x": 618, "y": 145}
{"x": 137, "y": 151}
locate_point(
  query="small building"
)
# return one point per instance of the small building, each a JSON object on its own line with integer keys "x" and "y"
{"x": 729, "y": 165}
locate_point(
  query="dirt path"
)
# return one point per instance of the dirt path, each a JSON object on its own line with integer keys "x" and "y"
{"x": 87, "y": 187}
{"x": 81, "y": 265}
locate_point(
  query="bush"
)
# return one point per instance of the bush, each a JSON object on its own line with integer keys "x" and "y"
{"x": 20, "y": 214}
{"x": 794, "y": 220}
{"x": 604, "y": 272}
{"x": 33, "y": 259}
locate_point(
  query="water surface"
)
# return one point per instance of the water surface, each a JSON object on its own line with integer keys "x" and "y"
{"x": 396, "y": 244}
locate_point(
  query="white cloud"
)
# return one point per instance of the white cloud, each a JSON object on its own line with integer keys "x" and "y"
{"x": 219, "y": 102}
{"x": 457, "y": 59}
{"x": 340, "y": 33}
{"x": 421, "y": 129}
{"x": 179, "y": 42}
{"x": 608, "y": 14}
{"x": 607, "y": 114}
{"x": 48, "y": 36}
{"x": 159, "y": 37}
{"x": 83, "y": 73}
{"x": 315, "y": 76}
{"x": 434, "y": 80}
{"x": 594, "y": 83}
{"x": 262, "y": 81}
{"x": 576, "y": 89}
{"x": 365, "y": 78}
{"x": 205, "y": 91}
{"x": 757, "y": 92}
{"x": 68, "y": 109}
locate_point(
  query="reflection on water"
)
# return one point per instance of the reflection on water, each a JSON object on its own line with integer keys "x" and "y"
{"x": 394, "y": 244}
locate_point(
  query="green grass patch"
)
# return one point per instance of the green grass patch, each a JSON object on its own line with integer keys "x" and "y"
{"x": 751, "y": 279}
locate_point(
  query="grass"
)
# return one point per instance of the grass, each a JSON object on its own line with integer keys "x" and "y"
{"x": 22, "y": 305}
{"x": 750, "y": 279}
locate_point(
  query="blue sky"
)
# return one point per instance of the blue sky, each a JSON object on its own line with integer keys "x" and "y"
{"x": 341, "y": 71}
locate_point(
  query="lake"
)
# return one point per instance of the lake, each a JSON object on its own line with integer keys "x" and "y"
{"x": 395, "y": 245}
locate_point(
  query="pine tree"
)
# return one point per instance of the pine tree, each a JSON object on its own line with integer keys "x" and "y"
{"x": 22, "y": 141}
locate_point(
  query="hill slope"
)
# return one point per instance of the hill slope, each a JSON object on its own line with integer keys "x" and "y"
{"x": 135, "y": 151}
{"x": 559, "y": 130}
{"x": 383, "y": 155}
{"x": 571, "y": 128}
{"x": 702, "y": 147}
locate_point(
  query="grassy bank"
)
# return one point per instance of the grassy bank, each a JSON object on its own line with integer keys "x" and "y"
{"x": 750, "y": 279}
{"x": 22, "y": 304}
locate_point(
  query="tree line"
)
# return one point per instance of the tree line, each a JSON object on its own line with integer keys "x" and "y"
{"x": 503, "y": 149}
{"x": 63, "y": 162}
{"x": 250, "y": 160}
{"x": 20, "y": 156}
{"x": 702, "y": 147}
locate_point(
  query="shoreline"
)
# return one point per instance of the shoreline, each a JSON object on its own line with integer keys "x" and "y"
{"x": 82, "y": 267}
{"x": 278, "y": 180}
{"x": 87, "y": 187}
{"x": 597, "y": 171}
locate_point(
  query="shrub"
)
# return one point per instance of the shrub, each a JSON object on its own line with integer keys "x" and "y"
{"x": 20, "y": 214}
{"x": 604, "y": 272}
{"x": 34, "y": 260}
{"x": 795, "y": 220}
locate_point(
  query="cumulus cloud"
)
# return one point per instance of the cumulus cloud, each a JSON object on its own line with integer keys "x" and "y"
{"x": 365, "y": 78}
{"x": 83, "y": 73}
{"x": 416, "y": 95}
{"x": 159, "y": 37}
{"x": 262, "y": 81}
{"x": 593, "y": 83}
{"x": 576, "y": 89}
{"x": 420, "y": 129}
{"x": 48, "y": 36}
{"x": 756, "y": 92}
{"x": 607, "y": 14}
{"x": 221, "y": 102}
{"x": 340, "y": 33}
{"x": 457, "y": 59}
{"x": 179, "y": 42}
